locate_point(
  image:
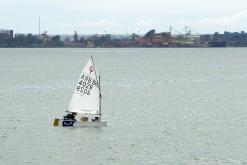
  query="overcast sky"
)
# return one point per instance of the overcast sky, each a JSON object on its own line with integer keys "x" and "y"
{"x": 122, "y": 16}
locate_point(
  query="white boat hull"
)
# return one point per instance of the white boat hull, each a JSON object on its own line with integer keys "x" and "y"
{"x": 71, "y": 123}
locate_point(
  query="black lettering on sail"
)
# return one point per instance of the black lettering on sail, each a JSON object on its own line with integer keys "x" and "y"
{"x": 86, "y": 78}
{"x": 89, "y": 80}
{"x": 94, "y": 82}
{"x": 84, "y": 84}
{"x": 78, "y": 88}
{"x": 87, "y": 86}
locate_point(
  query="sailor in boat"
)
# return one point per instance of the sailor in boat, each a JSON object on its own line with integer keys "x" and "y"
{"x": 84, "y": 119}
{"x": 70, "y": 116}
{"x": 96, "y": 119}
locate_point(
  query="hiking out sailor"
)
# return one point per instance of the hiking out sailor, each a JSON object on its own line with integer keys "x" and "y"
{"x": 96, "y": 119}
{"x": 70, "y": 116}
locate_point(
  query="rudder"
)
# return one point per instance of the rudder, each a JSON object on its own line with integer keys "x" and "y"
{"x": 56, "y": 122}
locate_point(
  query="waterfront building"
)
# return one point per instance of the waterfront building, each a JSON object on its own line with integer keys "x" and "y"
{"x": 6, "y": 33}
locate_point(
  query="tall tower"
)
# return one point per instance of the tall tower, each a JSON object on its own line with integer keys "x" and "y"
{"x": 186, "y": 30}
{"x": 39, "y": 26}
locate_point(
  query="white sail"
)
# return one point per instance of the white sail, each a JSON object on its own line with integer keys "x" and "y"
{"x": 86, "y": 97}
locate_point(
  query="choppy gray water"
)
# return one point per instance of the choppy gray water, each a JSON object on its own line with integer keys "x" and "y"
{"x": 164, "y": 106}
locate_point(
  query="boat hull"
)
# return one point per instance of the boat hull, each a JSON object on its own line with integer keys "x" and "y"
{"x": 71, "y": 123}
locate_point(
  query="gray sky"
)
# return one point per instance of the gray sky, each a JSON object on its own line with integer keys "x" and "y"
{"x": 122, "y": 17}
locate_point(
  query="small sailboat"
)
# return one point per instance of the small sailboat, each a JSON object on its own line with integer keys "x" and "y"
{"x": 85, "y": 105}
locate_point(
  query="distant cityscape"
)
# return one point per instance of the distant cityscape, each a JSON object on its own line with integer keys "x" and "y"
{"x": 150, "y": 39}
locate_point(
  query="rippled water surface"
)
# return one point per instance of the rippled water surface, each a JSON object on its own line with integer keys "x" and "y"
{"x": 164, "y": 106}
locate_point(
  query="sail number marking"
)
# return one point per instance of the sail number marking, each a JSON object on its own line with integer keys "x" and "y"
{"x": 85, "y": 85}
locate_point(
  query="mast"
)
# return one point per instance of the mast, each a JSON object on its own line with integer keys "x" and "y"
{"x": 98, "y": 80}
{"x": 39, "y": 26}
{"x": 99, "y": 100}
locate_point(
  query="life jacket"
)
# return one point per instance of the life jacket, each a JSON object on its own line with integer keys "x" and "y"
{"x": 69, "y": 116}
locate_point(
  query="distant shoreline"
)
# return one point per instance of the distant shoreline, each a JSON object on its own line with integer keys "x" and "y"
{"x": 150, "y": 40}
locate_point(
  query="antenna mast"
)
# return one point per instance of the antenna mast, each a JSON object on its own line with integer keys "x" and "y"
{"x": 39, "y": 26}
